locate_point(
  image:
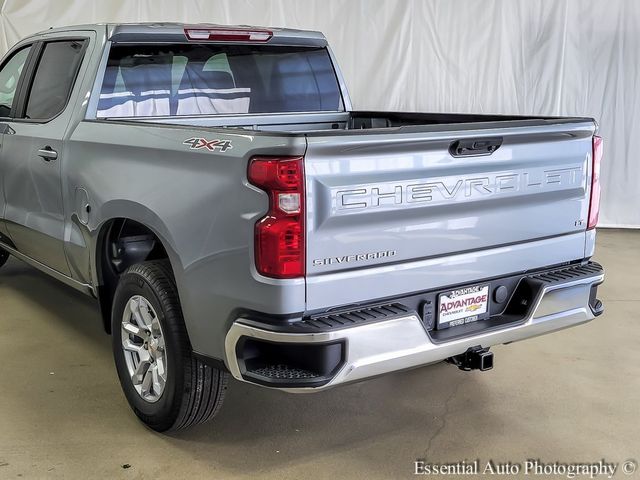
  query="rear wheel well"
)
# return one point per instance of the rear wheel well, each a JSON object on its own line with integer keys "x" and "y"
{"x": 121, "y": 243}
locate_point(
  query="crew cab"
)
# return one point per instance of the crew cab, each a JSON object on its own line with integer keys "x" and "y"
{"x": 214, "y": 189}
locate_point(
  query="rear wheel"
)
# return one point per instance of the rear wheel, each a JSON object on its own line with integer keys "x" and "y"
{"x": 167, "y": 387}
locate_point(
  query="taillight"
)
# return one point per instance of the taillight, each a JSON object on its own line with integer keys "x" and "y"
{"x": 279, "y": 235}
{"x": 594, "y": 202}
{"x": 222, "y": 34}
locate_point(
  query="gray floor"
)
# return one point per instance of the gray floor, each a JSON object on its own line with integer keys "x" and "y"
{"x": 571, "y": 396}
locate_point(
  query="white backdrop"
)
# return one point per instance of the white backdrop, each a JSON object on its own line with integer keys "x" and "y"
{"x": 546, "y": 57}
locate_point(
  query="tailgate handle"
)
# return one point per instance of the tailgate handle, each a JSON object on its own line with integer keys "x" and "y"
{"x": 475, "y": 146}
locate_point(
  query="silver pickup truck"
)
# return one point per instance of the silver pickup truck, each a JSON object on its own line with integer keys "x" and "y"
{"x": 213, "y": 188}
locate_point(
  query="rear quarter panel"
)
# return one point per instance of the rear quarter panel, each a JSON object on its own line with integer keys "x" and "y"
{"x": 199, "y": 204}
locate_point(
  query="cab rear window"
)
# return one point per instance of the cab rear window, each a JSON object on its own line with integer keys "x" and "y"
{"x": 188, "y": 79}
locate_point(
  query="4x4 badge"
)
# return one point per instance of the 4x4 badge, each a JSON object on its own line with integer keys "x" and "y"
{"x": 211, "y": 145}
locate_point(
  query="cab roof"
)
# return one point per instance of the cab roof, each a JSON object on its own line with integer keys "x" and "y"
{"x": 175, "y": 32}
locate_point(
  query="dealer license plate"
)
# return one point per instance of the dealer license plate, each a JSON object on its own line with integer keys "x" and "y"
{"x": 463, "y": 305}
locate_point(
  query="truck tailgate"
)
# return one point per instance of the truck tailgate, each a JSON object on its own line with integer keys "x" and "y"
{"x": 394, "y": 211}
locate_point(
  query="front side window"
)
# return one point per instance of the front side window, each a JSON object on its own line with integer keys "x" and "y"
{"x": 192, "y": 79}
{"x": 55, "y": 75}
{"x": 9, "y": 77}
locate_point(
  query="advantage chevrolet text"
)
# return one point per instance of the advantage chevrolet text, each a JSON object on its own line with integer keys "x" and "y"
{"x": 213, "y": 188}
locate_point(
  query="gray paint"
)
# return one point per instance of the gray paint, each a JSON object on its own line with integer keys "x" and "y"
{"x": 203, "y": 210}
{"x": 441, "y": 215}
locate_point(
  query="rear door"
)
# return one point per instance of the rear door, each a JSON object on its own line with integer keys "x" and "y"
{"x": 10, "y": 73}
{"x": 391, "y": 213}
{"x": 33, "y": 152}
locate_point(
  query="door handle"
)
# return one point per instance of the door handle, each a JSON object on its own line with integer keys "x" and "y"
{"x": 48, "y": 153}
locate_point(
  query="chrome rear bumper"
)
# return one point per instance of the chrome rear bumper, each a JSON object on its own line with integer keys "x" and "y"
{"x": 401, "y": 343}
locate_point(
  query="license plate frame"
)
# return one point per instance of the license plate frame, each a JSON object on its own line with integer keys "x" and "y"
{"x": 463, "y": 305}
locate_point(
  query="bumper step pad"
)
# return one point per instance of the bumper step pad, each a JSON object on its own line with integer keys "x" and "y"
{"x": 388, "y": 311}
{"x": 283, "y": 372}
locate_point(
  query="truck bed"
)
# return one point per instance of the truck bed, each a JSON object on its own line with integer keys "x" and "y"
{"x": 401, "y": 202}
{"x": 361, "y": 121}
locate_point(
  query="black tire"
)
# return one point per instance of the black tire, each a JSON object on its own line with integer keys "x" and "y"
{"x": 193, "y": 392}
{"x": 4, "y": 256}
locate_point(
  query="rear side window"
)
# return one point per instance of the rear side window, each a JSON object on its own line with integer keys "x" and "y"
{"x": 9, "y": 77}
{"x": 55, "y": 75}
{"x": 192, "y": 79}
